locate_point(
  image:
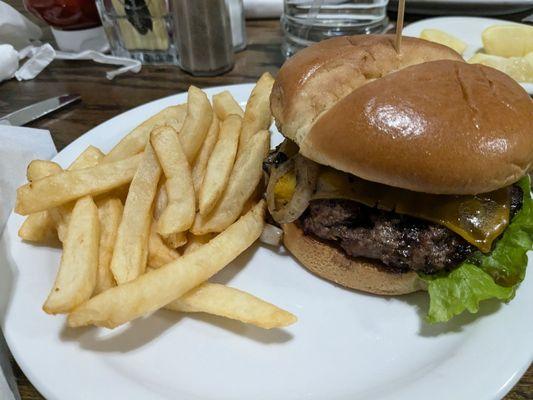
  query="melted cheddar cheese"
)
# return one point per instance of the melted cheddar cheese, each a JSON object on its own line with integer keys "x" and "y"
{"x": 479, "y": 219}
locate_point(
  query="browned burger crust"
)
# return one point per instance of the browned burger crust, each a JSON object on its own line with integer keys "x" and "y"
{"x": 318, "y": 76}
{"x": 331, "y": 263}
{"x": 441, "y": 127}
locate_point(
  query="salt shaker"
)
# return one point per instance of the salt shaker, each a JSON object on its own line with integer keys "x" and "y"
{"x": 202, "y": 32}
{"x": 238, "y": 30}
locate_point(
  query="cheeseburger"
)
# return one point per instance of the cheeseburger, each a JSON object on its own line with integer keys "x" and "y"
{"x": 403, "y": 172}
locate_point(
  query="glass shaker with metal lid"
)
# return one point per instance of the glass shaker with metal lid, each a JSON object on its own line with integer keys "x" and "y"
{"x": 202, "y": 32}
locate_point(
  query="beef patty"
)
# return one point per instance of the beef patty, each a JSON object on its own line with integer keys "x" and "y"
{"x": 399, "y": 241}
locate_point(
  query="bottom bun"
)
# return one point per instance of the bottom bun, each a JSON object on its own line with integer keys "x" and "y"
{"x": 331, "y": 263}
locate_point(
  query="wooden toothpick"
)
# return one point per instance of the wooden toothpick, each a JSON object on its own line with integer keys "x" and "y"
{"x": 399, "y": 25}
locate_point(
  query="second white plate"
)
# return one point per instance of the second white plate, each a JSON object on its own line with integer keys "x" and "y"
{"x": 468, "y": 29}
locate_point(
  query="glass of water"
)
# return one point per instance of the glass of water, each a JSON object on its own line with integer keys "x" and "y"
{"x": 305, "y": 22}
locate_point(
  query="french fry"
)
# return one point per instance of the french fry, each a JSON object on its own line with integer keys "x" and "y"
{"x": 109, "y": 214}
{"x": 178, "y": 215}
{"x": 76, "y": 277}
{"x": 200, "y": 164}
{"x": 131, "y": 246}
{"x": 66, "y": 186}
{"x": 232, "y": 303}
{"x": 176, "y": 240}
{"x": 156, "y": 289}
{"x": 161, "y": 199}
{"x": 158, "y": 253}
{"x": 39, "y": 169}
{"x": 45, "y": 226}
{"x": 224, "y": 105}
{"x": 134, "y": 142}
{"x": 90, "y": 157}
{"x": 120, "y": 193}
{"x": 173, "y": 240}
{"x": 220, "y": 164}
{"x": 196, "y": 124}
{"x": 40, "y": 227}
{"x": 195, "y": 242}
{"x": 244, "y": 178}
{"x": 257, "y": 115}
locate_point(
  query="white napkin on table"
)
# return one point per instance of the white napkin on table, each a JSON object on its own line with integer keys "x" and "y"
{"x": 263, "y": 8}
{"x": 15, "y": 28}
{"x": 17, "y": 42}
{"x": 41, "y": 56}
{"x": 18, "y": 146}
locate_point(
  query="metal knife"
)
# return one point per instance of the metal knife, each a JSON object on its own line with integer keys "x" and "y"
{"x": 38, "y": 110}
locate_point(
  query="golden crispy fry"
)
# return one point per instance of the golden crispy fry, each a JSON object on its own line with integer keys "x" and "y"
{"x": 158, "y": 252}
{"x": 200, "y": 164}
{"x": 90, "y": 157}
{"x": 131, "y": 245}
{"x": 224, "y": 105}
{"x": 173, "y": 240}
{"x": 120, "y": 193}
{"x": 135, "y": 141}
{"x": 109, "y": 214}
{"x": 255, "y": 197}
{"x": 70, "y": 185}
{"x": 195, "y": 242}
{"x": 244, "y": 178}
{"x": 178, "y": 215}
{"x": 176, "y": 240}
{"x": 220, "y": 164}
{"x": 196, "y": 124}
{"x": 60, "y": 217}
{"x": 154, "y": 290}
{"x": 39, "y": 228}
{"x": 161, "y": 199}
{"x": 76, "y": 277}
{"x": 232, "y": 303}
{"x": 257, "y": 115}
{"x": 39, "y": 169}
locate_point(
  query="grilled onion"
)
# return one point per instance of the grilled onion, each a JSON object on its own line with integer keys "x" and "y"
{"x": 306, "y": 172}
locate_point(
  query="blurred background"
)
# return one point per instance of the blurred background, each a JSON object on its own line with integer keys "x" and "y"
{"x": 118, "y": 54}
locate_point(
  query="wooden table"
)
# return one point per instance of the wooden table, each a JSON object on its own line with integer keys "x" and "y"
{"x": 103, "y": 99}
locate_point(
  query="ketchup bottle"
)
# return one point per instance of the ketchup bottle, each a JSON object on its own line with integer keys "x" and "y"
{"x": 65, "y": 14}
{"x": 75, "y": 24}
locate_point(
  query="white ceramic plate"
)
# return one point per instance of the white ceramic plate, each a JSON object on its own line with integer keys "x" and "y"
{"x": 346, "y": 344}
{"x": 468, "y": 29}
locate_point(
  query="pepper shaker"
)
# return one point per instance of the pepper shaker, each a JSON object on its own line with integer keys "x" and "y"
{"x": 202, "y": 32}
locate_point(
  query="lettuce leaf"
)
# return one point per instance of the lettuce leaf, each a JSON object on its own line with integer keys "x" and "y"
{"x": 485, "y": 276}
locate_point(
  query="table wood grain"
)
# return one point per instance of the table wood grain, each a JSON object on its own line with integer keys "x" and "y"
{"x": 104, "y": 99}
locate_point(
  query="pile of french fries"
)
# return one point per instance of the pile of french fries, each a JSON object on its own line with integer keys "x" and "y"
{"x": 145, "y": 226}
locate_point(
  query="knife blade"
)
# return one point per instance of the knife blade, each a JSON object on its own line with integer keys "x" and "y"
{"x": 32, "y": 112}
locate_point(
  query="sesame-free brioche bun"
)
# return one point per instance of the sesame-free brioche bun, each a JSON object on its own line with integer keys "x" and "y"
{"x": 443, "y": 127}
{"x": 333, "y": 264}
{"x": 317, "y": 77}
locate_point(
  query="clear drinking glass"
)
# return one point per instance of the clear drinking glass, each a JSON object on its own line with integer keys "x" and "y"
{"x": 305, "y": 22}
{"x": 238, "y": 25}
{"x": 139, "y": 29}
